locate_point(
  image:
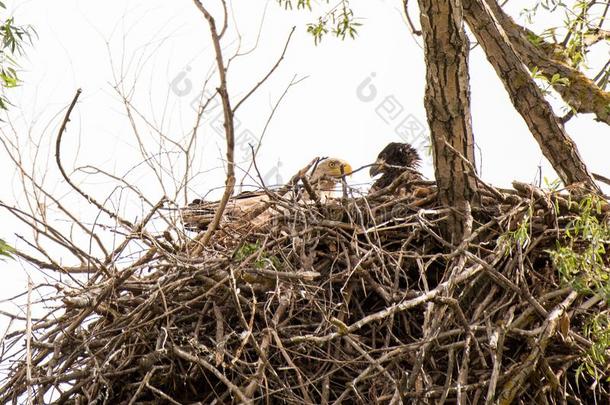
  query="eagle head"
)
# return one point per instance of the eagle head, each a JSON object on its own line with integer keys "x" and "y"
{"x": 331, "y": 167}
{"x": 328, "y": 173}
{"x": 395, "y": 155}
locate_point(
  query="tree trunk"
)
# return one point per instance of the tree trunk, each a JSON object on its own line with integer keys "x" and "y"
{"x": 447, "y": 102}
{"x": 549, "y": 132}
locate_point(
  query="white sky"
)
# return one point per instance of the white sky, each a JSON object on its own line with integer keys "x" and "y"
{"x": 165, "y": 46}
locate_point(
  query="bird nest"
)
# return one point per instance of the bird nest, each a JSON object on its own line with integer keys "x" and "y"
{"x": 356, "y": 299}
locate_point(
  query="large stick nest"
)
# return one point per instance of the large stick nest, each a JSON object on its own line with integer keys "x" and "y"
{"x": 354, "y": 300}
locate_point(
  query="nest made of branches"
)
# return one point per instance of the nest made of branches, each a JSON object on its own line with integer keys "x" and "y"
{"x": 354, "y": 300}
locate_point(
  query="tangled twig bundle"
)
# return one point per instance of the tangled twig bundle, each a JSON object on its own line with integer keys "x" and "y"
{"x": 357, "y": 300}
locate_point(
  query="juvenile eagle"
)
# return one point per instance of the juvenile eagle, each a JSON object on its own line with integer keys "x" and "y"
{"x": 394, "y": 160}
{"x": 251, "y": 206}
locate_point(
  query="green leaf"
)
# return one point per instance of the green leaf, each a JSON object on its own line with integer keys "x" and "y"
{"x": 6, "y": 249}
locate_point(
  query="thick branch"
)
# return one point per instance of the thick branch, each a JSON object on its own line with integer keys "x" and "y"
{"x": 555, "y": 143}
{"x": 582, "y": 94}
{"x": 549, "y": 329}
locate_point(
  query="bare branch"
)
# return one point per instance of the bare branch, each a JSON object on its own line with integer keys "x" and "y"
{"x": 229, "y": 129}
{"x": 269, "y": 73}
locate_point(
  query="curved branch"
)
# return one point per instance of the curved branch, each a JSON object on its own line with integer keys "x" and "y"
{"x": 87, "y": 197}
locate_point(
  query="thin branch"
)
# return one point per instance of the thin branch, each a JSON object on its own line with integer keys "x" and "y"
{"x": 269, "y": 73}
{"x": 229, "y": 130}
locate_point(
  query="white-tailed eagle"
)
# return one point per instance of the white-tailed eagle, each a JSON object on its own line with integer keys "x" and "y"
{"x": 251, "y": 207}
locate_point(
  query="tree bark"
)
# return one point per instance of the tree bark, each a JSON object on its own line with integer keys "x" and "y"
{"x": 447, "y": 102}
{"x": 582, "y": 94}
{"x": 549, "y": 132}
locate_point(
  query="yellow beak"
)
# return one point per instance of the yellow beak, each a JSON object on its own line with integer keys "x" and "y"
{"x": 346, "y": 168}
